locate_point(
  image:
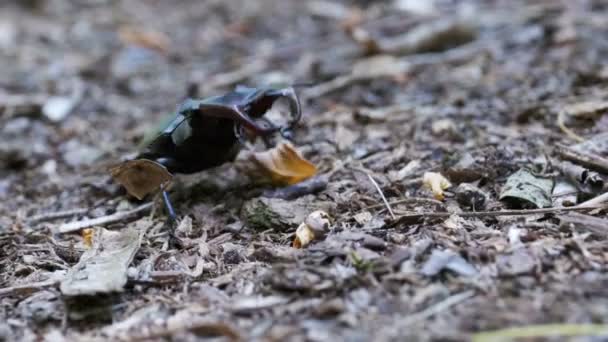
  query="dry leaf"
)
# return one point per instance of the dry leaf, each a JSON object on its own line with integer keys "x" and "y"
{"x": 141, "y": 176}
{"x": 316, "y": 226}
{"x": 284, "y": 165}
{"x": 523, "y": 188}
{"x": 437, "y": 183}
{"x": 87, "y": 236}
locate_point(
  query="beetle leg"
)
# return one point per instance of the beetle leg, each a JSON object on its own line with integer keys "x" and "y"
{"x": 171, "y": 223}
{"x": 169, "y": 206}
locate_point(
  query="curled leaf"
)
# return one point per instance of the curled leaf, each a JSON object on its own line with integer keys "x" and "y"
{"x": 284, "y": 165}
{"x": 304, "y": 235}
{"x": 141, "y": 176}
{"x": 437, "y": 183}
{"x": 316, "y": 226}
{"x": 523, "y": 188}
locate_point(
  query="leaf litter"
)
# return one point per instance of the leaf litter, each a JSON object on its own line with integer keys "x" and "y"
{"x": 471, "y": 91}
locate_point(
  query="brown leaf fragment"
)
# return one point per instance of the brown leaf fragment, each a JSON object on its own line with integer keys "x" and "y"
{"x": 284, "y": 165}
{"x": 141, "y": 176}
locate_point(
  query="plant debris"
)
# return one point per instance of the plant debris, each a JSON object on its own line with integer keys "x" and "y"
{"x": 436, "y": 182}
{"x": 141, "y": 177}
{"x": 316, "y": 226}
{"x": 524, "y": 188}
{"x": 103, "y": 268}
{"x": 284, "y": 165}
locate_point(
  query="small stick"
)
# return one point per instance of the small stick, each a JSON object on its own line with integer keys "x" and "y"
{"x": 409, "y": 200}
{"x": 498, "y": 212}
{"x": 595, "y": 201}
{"x": 57, "y": 215}
{"x": 116, "y": 217}
{"x": 591, "y": 161}
{"x": 562, "y": 125}
{"x": 388, "y": 206}
{"x": 31, "y": 287}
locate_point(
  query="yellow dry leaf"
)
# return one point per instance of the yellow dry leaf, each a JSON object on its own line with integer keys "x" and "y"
{"x": 87, "y": 236}
{"x": 316, "y": 225}
{"x": 437, "y": 183}
{"x": 284, "y": 165}
{"x": 141, "y": 176}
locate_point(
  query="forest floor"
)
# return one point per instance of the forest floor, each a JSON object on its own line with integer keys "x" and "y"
{"x": 506, "y": 99}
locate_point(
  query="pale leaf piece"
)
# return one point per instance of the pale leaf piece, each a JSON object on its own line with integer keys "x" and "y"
{"x": 437, "y": 183}
{"x": 103, "y": 268}
{"x": 284, "y": 165}
{"x": 316, "y": 226}
{"x": 141, "y": 176}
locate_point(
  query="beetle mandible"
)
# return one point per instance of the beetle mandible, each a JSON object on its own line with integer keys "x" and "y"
{"x": 206, "y": 133}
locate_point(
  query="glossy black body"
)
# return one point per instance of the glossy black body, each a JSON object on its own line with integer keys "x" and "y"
{"x": 204, "y": 133}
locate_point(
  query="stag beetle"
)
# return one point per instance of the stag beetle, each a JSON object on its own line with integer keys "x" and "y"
{"x": 206, "y": 133}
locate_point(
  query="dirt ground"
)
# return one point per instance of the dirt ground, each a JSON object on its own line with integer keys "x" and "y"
{"x": 472, "y": 90}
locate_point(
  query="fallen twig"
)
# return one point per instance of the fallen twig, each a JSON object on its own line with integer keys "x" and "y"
{"x": 57, "y": 215}
{"x": 116, "y": 217}
{"x": 27, "y": 288}
{"x": 591, "y": 161}
{"x": 595, "y": 225}
{"x": 418, "y": 200}
{"x": 388, "y": 206}
{"x": 561, "y": 122}
{"x": 519, "y": 212}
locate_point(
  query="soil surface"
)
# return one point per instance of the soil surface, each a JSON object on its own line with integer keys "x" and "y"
{"x": 505, "y": 99}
